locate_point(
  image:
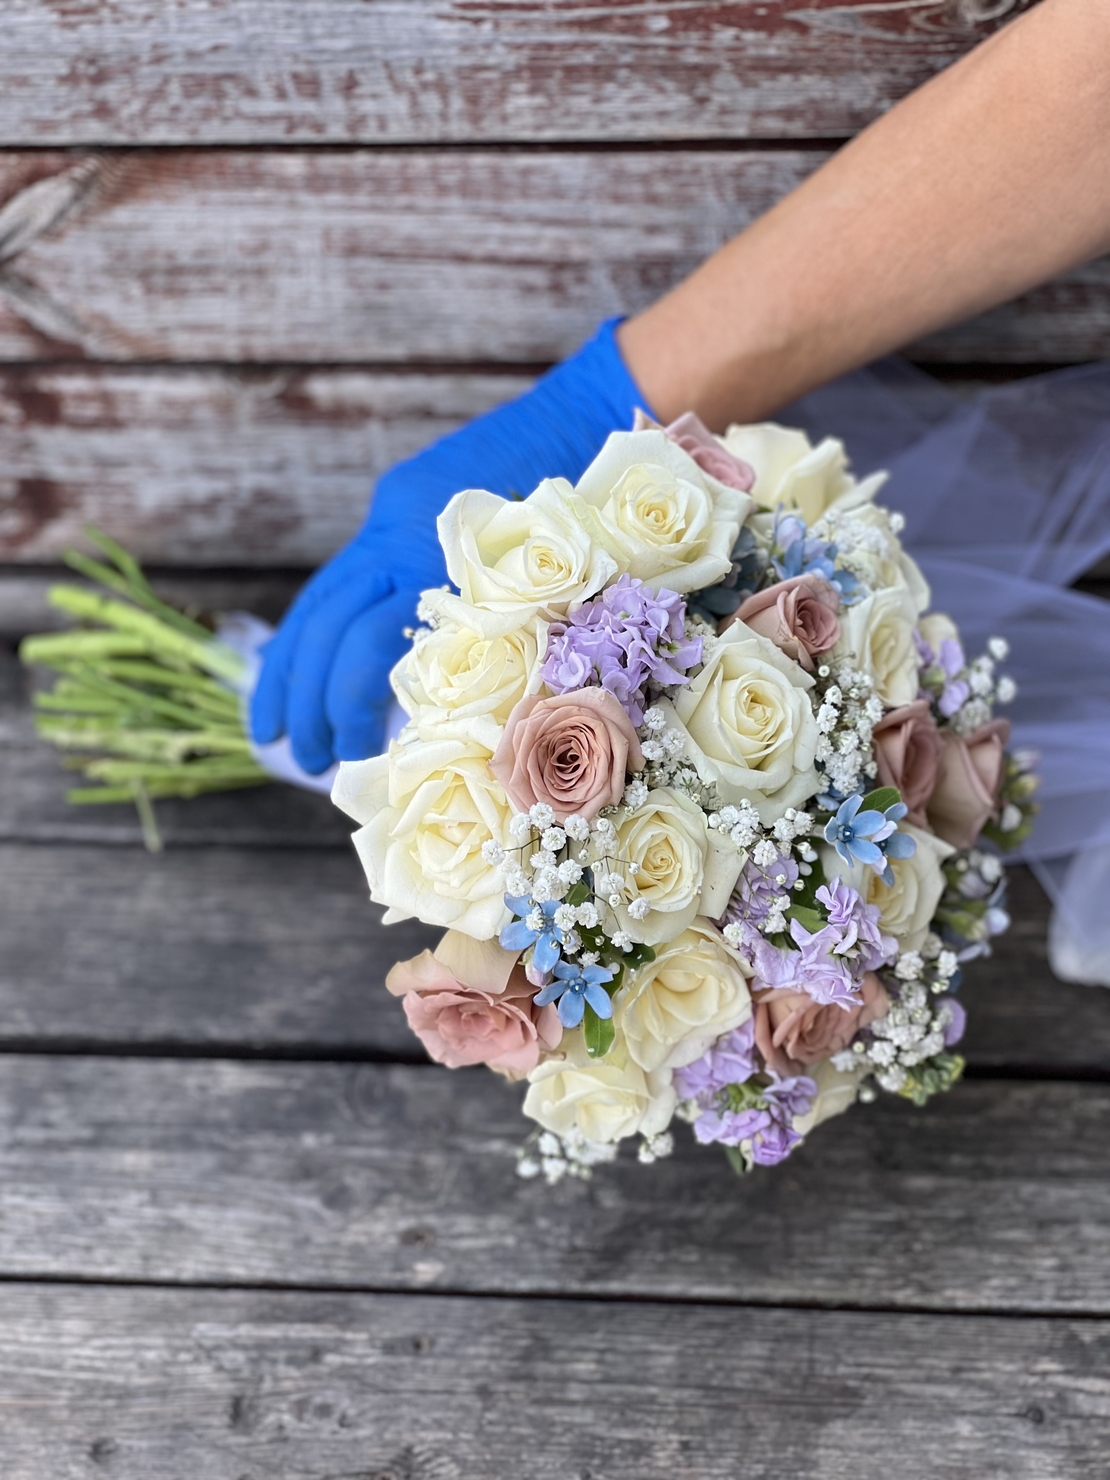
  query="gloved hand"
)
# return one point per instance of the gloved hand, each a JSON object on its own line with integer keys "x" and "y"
{"x": 325, "y": 674}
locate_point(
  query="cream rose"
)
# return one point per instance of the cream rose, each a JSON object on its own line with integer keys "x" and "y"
{"x": 791, "y": 472}
{"x": 605, "y": 1099}
{"x": 836, "y": 1092}
{"x": 907, "y": 906}
{"x": 674, "y": 1007}
{"x": 514, "y": 559}
{"x": 426, "y": 808}
{"x": 455, "y": 672}
{"x": 750, "y": 723}
{"x": 877, "y": 635}
{"x": 870, "y": 549}
{"x": 665, "y": 845}
{"x": 658, "y": 514}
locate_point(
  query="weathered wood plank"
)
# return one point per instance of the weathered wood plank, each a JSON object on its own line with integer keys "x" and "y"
{"x": 343, "y": 71}
{"x": 212, "y": 467}
{"x": 163, "y": 1385}
{"x": 253, "y": 948}
{"x": 64, "y": 925}
{"x": 400, "y": 256}
{"x": 216, "y": 467}
{"x": 995, "y": 1197}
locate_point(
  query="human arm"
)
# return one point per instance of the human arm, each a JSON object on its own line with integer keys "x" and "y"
{"x": 989, "y": 179}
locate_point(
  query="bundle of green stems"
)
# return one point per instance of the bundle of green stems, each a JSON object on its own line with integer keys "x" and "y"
{"x": 146, "y": 698}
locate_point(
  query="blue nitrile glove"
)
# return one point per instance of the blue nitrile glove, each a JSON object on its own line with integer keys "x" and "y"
{"x": 325, "y": 675}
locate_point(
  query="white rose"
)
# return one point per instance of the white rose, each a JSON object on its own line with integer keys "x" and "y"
{"x": 659, "y": 516}
{"x": 871, "y": 550}
{"x": 677, "y": 1005}
{"x": 426, "y": 808}
{"x": 750, "y": 724}
{"x": 877, "y": 635}
{"x": 605, "y": 1099}
{"x": 455, "y": 672}
{"x": 791, "y": 472}
{"x": 514, "y": 559}
{"x": 836, "y": 1092}
{"x": 907, "y": 906}
{"x": 663, "y": 845}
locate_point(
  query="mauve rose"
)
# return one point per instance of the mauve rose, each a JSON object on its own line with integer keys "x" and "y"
{"x": 571, "y": 751}
{"x": 461, "y": 1025}
{"x": 792, "y": 1031}
{"x": 691, "y": 434}
{"x": 799, "y": 616}
{"x": 907, "y": 753}
{"x": 968, "y": 782}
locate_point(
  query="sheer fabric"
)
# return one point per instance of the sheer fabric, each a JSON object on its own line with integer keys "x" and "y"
{"x": 1006, "y": 495}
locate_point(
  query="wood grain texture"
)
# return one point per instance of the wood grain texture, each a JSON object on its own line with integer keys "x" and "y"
{"x": 140, "y": 71}
{"x": 213, "y": 467}
{"x": 205, "y": 946}
{"x": 205, "y": 957}
{"x": 401, "y": 257}
{"x": 994, "y": 1197}
{"x": 164, "y": 1385}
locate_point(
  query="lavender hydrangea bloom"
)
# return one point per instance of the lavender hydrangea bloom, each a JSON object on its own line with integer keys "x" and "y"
{"x": 625, "y": 639}
{"x": 858, "y": 926}
{"x": 731, "y": 1060}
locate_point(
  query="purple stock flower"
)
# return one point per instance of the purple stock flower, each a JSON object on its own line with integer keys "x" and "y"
{"x": 768, "y": 1127}
{"x": 957, "y": 1021}
{"x": 813, "y": 968}
{"x": 756, "y": 887}
{"x": 623, "y": 640}
{"x": 858, "y": 926}
{"x": 731, "y": 1060}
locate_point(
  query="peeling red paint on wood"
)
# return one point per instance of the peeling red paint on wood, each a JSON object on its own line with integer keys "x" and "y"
{"x": 401, "y": 257}
{"x": 250, "y": 71}
{"x": 210, "y": 467}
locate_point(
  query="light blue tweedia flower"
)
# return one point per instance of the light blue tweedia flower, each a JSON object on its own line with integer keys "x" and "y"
{"x": 535, "y": 927}
{"x": 869, "y": 837}
{"x": 803, "y": 554}
{"x": 573, "y": 987}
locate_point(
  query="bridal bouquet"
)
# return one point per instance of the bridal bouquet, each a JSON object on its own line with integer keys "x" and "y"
{"x": 708, "y": 806}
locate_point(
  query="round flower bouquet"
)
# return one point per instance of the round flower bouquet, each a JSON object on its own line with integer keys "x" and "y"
{"x": 709, "y": 808}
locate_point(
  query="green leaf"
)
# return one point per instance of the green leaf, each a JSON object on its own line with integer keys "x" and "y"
{"x": 736, "y": 1161}
{"x": 880, "y": 799}
{"x": 599, "y": 1033}
{"x": 812, "y": 920}
{"x": 579, "y": 893}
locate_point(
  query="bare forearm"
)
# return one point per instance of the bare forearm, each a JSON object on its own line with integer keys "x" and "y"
{"x": 991, "y": 178}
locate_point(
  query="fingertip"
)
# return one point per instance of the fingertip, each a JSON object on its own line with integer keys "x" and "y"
{"x": 360, "y": 741}
{"x": 311, "y": 756}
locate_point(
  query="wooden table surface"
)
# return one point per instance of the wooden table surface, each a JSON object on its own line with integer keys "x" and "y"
{"x": 251, "y": 252}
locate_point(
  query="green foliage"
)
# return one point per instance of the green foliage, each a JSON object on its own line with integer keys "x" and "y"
{"x": 880, "y": 799}
{"x": 932, "y": 1077}
{"x": 598, "y": 1033}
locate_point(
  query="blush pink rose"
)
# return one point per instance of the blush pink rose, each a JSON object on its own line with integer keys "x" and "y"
{"x": 907, "y": 753}
{"x": 799, "y": 616}
{"x": 461, "y": 1025}
{"x": 570, "y": 751}
{"x": 792, "y": 1031}
{"x": 968, "y": 782}
{"x": 691, "y": 434}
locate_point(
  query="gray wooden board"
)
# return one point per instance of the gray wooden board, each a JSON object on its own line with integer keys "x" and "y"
{"x": 994, "y": 1197}
{"x": 339, "y": 70}
{"x": 217, "y": 466}
{"x": 212, "y": 466}
{"x": 219, "y": 1385}
{"x": 402, "y": 256}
